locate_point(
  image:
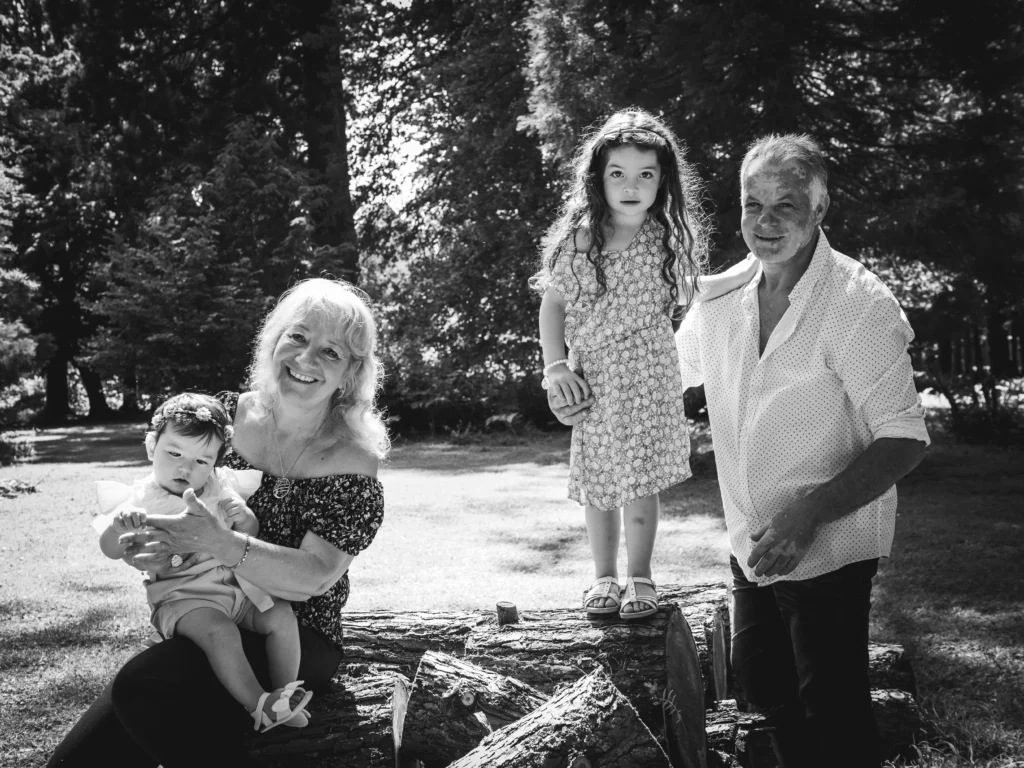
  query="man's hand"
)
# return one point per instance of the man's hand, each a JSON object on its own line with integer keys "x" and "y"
{"x": 570, "y": 415}
{"x": 783, "y": 543}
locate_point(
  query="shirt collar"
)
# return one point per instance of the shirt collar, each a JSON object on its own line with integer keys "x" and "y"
{"x": 821, "y": 260}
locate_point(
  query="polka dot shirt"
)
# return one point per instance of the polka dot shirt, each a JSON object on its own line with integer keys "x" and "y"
{"x": 835, "y": 376}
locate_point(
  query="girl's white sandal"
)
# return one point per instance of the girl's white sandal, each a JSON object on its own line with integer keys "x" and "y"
{"x": 605, "y": 587}
{"x": 283, "y": 713}
{"x": 630, "y": 596}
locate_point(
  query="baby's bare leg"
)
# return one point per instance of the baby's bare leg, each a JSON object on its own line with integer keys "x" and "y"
{"x": 216, "y": 634}
{"x": 279, "y": 625}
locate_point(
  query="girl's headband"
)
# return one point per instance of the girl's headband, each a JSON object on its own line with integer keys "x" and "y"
{"x": 634, "y": 136}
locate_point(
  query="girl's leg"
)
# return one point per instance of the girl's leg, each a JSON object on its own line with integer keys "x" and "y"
{"x": 641, "y": 523}
{"x": 219, "y": 638}
{"x": 603, "y": 531}
{"x": 281, "y": 629}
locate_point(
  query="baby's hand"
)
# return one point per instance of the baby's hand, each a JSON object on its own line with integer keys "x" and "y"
{"x": 129, "y": 519}
{"x": 237, "y": 514}
{"x": 565, "y": 383}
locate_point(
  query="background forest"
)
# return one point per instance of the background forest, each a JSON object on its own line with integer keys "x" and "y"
{"x": 168, "y": 167}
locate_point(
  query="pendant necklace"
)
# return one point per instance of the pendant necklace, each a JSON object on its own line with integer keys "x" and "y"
{"x": 283, "y": 486}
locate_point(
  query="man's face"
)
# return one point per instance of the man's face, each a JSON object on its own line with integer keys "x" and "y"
{"x": 780, "y": 218}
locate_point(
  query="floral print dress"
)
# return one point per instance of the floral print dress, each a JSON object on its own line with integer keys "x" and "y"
{"x": 344, "y": 510}
{"x": 635, "y": 441}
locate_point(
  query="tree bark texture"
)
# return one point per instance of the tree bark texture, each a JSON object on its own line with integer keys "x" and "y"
{"x": 587, "y": 724}
{"x": 455, "y": 705}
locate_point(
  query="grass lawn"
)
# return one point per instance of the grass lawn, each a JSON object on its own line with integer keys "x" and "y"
{"x": 473, "y": 523}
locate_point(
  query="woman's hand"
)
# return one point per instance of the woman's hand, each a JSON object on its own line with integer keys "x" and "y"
{"x": 160, "y": 563}
{"x": 195, "y": 529}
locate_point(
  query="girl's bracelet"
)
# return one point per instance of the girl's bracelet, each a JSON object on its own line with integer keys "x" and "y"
{"x": 544, "y": 383}
{"x": 245, "y": 554}
{"x": 549, "y": 366}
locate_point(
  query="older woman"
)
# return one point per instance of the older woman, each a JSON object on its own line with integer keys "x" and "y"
{"x": 309, "y": 423}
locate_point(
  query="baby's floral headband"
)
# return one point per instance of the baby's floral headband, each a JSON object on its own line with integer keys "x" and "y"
{"x": 185, "y": 414}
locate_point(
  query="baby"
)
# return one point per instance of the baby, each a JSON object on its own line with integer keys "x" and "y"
{"x": 205, "y": 601}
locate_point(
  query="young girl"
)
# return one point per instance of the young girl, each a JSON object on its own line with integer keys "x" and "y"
{"x": 205, "y": 601}
{"x": 627, "y": 249}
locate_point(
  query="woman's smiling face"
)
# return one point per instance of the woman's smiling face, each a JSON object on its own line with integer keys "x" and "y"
{"x": 311, "y": 361}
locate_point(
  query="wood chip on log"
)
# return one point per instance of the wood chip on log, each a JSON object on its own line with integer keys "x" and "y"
{"x": 455, "y": 704}
{"x": 590, "y": 722}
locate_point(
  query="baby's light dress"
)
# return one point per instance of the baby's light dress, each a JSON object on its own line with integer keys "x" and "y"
{"x": 206, "y": 584}
{"x": 635, "y": 441}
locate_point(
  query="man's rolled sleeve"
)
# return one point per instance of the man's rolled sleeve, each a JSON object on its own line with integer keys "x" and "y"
{"x": 876, "y": 370}
{"x": 689, "y": 350}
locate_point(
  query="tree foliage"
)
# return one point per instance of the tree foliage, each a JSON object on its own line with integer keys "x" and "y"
{"x": 167, "y": 168}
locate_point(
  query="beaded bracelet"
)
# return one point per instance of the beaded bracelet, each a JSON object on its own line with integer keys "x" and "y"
{"x": 245, "y": 554}
{"x": 555, "y": 364}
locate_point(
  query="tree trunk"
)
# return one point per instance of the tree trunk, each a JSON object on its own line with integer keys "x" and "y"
{"x": 588, "y": 724}
{"x": 93, "y": 384}
{"x": 454, "y": 705}
{"x": 58, "y": 407}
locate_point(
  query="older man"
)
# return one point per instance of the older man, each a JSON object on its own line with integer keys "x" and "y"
{"x": 815, "y": 417}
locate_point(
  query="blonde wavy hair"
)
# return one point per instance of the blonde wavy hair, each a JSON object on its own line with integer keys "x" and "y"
{"x": 345, "y": 309}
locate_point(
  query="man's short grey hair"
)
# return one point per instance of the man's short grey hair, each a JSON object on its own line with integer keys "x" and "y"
{"x": 776, "y": 149}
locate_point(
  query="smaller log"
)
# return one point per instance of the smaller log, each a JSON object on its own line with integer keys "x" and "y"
{"x": 901, "y": 724}
{"x": 889, "y": 668}
{"x": 454, "y": 705}
{"x": 507, "y": 614}
{"x": 588, "y": 722}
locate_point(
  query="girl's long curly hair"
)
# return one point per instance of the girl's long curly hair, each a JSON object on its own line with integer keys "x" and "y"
{"x": 677, "y": 206}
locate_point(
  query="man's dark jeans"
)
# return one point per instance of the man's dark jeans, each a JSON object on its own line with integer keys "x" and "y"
{"x": 800, "y": 653}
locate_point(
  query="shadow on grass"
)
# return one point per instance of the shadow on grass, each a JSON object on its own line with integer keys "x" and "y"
{"x": 542, "y": 553}
{"x": 87, "y": 629}
{"x": 89, "y": 444}
{"x": 953, "y": 591}
{"x": 454, "y": 459}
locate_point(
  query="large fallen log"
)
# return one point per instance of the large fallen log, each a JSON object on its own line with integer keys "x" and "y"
{"x": 454, "y": 705}
{"x": 587, "y": 724}
{"x": 657, "y": 663}
{"x": 647, "y": 661}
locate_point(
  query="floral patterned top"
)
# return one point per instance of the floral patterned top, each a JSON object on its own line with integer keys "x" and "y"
{"x": 344, "y": 510}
